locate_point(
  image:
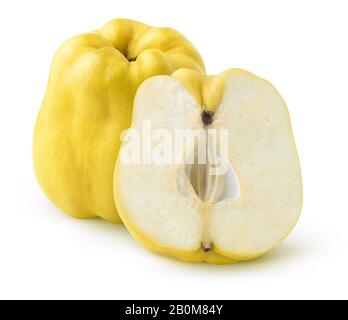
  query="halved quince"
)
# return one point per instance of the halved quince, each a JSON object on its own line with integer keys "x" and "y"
{"x": 191, "y": 210}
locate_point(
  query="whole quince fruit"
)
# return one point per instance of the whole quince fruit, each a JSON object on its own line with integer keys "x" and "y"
{"x": 88, "y": 103}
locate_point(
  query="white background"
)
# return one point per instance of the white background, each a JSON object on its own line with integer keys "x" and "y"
{"x": 301, "y": 46}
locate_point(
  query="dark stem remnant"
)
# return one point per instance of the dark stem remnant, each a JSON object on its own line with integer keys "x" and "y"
{"x": 207, "y": 117}
{"x": 207, "y": 247}
{"x": 132, "y": 59}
